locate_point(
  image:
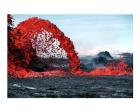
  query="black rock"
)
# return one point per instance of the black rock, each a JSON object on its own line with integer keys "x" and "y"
{"x": 71, "y": 87}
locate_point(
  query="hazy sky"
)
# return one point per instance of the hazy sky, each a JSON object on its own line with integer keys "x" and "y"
{"x": 93, "y": 33}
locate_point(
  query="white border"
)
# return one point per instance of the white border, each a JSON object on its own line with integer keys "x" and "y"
{"x": 68, "y": 7}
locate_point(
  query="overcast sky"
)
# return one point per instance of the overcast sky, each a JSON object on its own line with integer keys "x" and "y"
{"x": 93, "y": 33}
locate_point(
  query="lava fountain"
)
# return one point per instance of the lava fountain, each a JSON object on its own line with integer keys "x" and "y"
{"x": 36, "y": 36}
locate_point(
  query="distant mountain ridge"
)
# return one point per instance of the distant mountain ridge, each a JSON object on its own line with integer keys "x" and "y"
{"x": 105, "y": 54}
{"x": 102, "y": 59}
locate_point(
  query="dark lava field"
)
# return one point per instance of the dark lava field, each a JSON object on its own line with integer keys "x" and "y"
{"x": 71, "y": 87}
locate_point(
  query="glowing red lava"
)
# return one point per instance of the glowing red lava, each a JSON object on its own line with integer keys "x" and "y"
{"x": 25, "y": 40}
{"x": 114, "y": 69}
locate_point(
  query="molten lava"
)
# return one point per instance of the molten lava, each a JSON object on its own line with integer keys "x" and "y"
{"x": 37, "y": 36}
{"x": 114, "y": 69}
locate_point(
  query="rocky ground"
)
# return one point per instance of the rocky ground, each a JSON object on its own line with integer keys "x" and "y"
{"x": 71, "y": 87}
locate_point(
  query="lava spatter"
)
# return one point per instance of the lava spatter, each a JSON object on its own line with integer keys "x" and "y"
{"x": 24, "y": 41}
{"x": 38, "y": 37}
